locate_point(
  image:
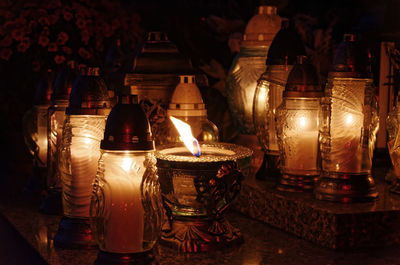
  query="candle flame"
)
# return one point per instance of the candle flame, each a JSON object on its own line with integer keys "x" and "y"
{"x": 186, "y": 136}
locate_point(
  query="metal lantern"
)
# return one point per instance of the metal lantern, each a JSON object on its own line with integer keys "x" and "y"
{"x": 126, "y": 205}
{"x": 88, "y": 108}
{"x": 297, "y": 127}
{"x": 56, "y": 117}
{"x": 34, "y": 124}
{"x": 282, "y": 54}
{"x": 187, "y": 105}
{"x": 349, "y": 126}
{"x": 249, "y": 64}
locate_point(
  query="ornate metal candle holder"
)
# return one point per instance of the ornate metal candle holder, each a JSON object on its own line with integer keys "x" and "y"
{"x": 196, "y": 191}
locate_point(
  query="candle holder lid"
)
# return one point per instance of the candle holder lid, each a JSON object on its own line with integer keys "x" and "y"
{"x": 186, "y": 99}
{"x": 89, "y": 94}
{"x": 351, "y": 60}
{"x": 262, "y": 27}
{"x": 44, "y": 89}
{"x": 286, "y": 46}
{"x": 63, "y": 84}
{"x": 303, "y": 81}
{"x": 127, "y": 127}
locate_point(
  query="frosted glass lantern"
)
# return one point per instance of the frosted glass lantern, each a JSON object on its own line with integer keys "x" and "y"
{"x": 350, "y": 123}
{"x": 297, "y": 128}
{"x": 56, "y": 118}
{"x": 126, "y": 205}
{"x": 282, "y": 54}
{"x": 249, "y": 64}
{"x": 88, "y": 108}
{"x": 187, "y": 104}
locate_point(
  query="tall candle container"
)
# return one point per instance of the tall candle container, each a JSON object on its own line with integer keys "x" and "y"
{"x": 249, "y": 64}
{"x": 126, "y": 205}
{"x": 297, "y": 128}
{"x": 83, "y": 130}
{"x": 282, "y": 54}
{"x": 349, "y": 126}
{"x": 196, "y": 191}
{"x": 392, "y": 127}
{"x": 187, "y": 104}
{"x": 34, "y": 125}
{"x": 56, "y": 118}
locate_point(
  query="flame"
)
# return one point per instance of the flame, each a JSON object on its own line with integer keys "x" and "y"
{"x": 186, "y": 136}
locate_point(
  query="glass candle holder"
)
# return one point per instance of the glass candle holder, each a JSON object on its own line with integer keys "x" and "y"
{"x": 88, "y": 108}
{"x": 297, "y": 129}
{"x": 392, "y": 126}
{"x": 126, "y": 207}
{"x": 282, "y": 54}
{"x": 249, "y": 64}
{"x": 348, "y": 132}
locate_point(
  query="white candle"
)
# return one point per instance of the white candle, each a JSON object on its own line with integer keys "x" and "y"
{"x": 123, "y": 212}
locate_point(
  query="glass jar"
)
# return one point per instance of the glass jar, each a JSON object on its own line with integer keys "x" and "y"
{"x": 125, "y": 212}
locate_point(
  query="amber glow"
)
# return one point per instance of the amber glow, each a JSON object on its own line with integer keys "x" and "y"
{"x": 186, "y": 136}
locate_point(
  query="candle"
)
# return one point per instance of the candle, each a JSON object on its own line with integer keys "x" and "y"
{"x": 41, "y": 140}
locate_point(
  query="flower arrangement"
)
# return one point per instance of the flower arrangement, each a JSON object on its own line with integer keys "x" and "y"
{"x": 52, "y": 32}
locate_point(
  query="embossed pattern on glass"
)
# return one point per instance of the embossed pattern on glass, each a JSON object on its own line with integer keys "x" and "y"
{"x": 350, "y": 123}
{"x": 267, "y": 98}
{"x": 126, "y": 206}
{"x": 78, "y": 161}
{"x": 297, "y": 130}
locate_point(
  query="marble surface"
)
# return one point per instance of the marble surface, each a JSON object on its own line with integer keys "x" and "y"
{"x": 263, "y": 243}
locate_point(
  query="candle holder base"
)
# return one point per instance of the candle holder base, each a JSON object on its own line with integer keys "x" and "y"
{"x": 74, "y": 233}
{"x": 52, "y": 203}
{"x": 269, "y": 169}
{"x": 109, "y": 258}
{"x": 296, "y": 183}
{"x": 346, "y": 188}
{"x": 200, "y": 235}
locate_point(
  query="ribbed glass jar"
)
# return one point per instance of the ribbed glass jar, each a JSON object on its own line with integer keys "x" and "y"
{"x": 241, "y": 84}
{"x": 126, "y": 204}
{"x": 78, "y": 160}
{"x": 349, "y": 125}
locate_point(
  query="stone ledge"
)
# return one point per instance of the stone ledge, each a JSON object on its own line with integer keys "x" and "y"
{"x": 328, "y": 224}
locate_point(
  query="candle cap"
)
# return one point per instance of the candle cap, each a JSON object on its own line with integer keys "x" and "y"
{"x": 186, "y": 99}
{"x": 127, "y": 127}
{"x": 44, "y": 89}
{"x": 89, "y": 94}
{"x": 262, "y": 27}
{"x": 303, "y": 80}
{"x": 63, "y": 84}
{"x": 286, "y": 46}
{"x": 352, "y": 59}
{"x": 159, "y": 55}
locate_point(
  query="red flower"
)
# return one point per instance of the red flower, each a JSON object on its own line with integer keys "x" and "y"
{"x": 17, "y": 34}
{"x": 43, "y": 21}
{"x": 5, "y": 53}
{"x": 45, "y": 31}
{"x": 80, "y": 23}
{"x": 36, "y": 66}
{"x": 59, "y": 59}
{"x": 43, "y": 40}
{"x": 62, "y": 38}
{"x": 52, "y": 47}
{"x": 85, "y": 54}
{"x": 79, "y": 16}
{"x": 54, "y": 4}
{"x": 67, "y": 15}
{"x": 67, "y": 50}
{"x": 22, "y": 47}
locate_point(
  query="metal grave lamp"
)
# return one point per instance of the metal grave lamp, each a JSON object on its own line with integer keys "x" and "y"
{"x": 155, "y": 74}
{"x": 34, "y": 125}
{"x": 249, "y": 64}
{"x": 282, "y": 54}
{"x": 198, "y": 183}
{"x": 56, "y": 118}
{"x": 297, "y": 128}
{"x": 349, "y": 125}
{"x": 126, "y": 206}
{"x": 83, "y": 130}
{"x": 187, "y": 105}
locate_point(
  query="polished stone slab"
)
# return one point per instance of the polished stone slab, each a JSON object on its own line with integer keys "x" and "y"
{"x": 328, "y": 224}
